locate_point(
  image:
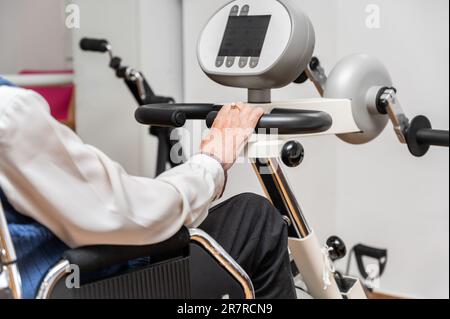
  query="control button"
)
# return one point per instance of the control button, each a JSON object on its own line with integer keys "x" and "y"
{"x": 219, "y": 61}
{"x": 230, "y": 61}
{"x": 245, "y": 10}
{"x": 234, "y": 11}
{"x": 254, "y": 61}
{"x": 243, "y": 62}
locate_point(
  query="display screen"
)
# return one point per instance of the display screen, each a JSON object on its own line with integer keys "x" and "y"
{"x": 244, "y": 36}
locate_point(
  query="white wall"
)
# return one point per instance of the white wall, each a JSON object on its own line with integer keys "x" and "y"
{"x": 33, "y": 36}
{"x": 377, "y": 193}
{"x": 147, "y": 36}
{"x": 105, "y": 108}
{"x": 386, "y": 197}
{"x": 161, "y": 60}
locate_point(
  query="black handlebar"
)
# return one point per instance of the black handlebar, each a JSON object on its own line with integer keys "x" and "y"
{"x": 419, "y": 133}
{"x": 162, "y": 114}
{"x": 420, "y": 136}
{"x": 94, "y": 45}
{"x": 162, "y": 117}
{"x": 286, "y": 122}
{"x": 433, "y": 137}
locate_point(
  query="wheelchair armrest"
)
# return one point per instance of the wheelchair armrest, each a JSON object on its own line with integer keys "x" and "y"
{"x": 96, "y": 258}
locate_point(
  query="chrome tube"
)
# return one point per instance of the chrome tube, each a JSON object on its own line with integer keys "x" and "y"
{"x": 225, "y": 260}
{"x": 51, "y": 279}
{"x": 8, "y": 268}
{"x": 279, "y": 192}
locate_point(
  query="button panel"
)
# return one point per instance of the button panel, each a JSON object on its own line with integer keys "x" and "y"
{"x": 245, "y": 10}
{"x": 243, "y": 62}
{"x": 220, "y": 61}
{"x": 254, "y": 61}
{"x": 230, "y": 61}
{"x": 234, "y": 11}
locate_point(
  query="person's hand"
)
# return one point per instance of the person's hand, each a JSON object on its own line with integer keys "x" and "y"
{"x": 232, "y": 129}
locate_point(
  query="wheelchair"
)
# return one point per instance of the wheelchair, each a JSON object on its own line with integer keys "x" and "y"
{"x": 190, "y": 265}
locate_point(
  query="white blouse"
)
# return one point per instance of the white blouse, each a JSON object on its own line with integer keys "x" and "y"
{"x": 83, "y": 196}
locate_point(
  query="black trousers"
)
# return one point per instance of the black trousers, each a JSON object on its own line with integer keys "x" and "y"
{"x": 253, "y": 232}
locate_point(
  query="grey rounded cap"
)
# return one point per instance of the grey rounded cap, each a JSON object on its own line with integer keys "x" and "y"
{"x": 357, "y": 77}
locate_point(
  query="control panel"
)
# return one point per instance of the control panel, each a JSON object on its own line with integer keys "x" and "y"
{"x": 256, "y": 44}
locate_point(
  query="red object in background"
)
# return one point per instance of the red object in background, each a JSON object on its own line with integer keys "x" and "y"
{"x": 58, "y": 97}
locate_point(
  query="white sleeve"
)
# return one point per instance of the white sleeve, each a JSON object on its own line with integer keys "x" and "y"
{"x": 84, "y": 197}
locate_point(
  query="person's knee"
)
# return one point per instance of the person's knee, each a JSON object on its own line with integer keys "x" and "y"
{"x": 253, "y": 200}
{"x": 259, "y": 208}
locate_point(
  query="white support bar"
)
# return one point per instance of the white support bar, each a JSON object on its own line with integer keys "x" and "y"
{"x": 340, "y": 110}
{"x": 310, "y": 261}
{"x": 40, "y": 80}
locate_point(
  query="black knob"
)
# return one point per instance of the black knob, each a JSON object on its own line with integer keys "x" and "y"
{"x": 121, "y": 72}
{"x": 314, "y": 64}
{"x": 115, "y": 63}
{"x": 337, "y": 248}
{"x": 292, "y": 154}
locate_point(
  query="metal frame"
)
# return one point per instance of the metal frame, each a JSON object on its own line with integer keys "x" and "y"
{"x": 10, "y": 281}
{"x": 225, "y": 260}
{"x": 198, "y": 236}
{"x": 396, "y": 114}
{"x": 316, "y": 73}
{"x": 278, "y": 191}
{"x": 312, "y": 261}
{"x": 310, "y": 257}
{"x": 54, "y": 275}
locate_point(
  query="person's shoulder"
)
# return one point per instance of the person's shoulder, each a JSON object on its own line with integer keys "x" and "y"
{"x": 5, "y": 82}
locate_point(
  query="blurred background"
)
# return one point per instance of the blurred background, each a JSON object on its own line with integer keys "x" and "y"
{"x": 375, "y": 194}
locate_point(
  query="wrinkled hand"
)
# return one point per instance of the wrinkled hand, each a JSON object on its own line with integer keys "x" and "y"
{"x": 232, "y": 129}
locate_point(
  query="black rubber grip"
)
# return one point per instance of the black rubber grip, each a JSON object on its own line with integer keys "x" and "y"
{"x": 94, "y": 45}
{"x": 95, "y": 258}
{"x": 193, "y": 111}
{"x": 289, "y": 122}
{"x": 158, "y": 116}
{"x": 420, "y": 136}
{"x": 433, "y": 137}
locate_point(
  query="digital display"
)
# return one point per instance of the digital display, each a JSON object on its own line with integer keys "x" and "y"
{"x": 244, "y": 36}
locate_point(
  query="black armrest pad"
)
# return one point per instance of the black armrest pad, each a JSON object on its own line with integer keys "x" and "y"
{"x": 95, "y": 258}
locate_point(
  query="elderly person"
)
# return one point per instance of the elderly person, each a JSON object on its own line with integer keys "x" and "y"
{"x": 70, "y": 194}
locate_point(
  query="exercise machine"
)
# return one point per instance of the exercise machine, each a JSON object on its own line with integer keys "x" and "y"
{"x": 264, "y": 45}
{"x": 143, "y": 94}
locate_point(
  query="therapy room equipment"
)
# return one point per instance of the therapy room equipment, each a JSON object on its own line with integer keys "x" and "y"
{"x": 264, "y": 45}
